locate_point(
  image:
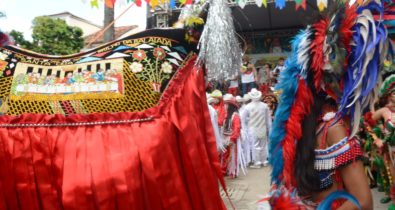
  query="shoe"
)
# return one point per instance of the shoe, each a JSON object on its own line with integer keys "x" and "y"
{"x": 256, "y": 166}
{"x": 266, "y": 163}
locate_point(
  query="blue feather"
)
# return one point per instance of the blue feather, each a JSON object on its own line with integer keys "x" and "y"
{"x": 354, "y": 79}
{"x": 327, "y": 203}
{"x": 288, "y": 84}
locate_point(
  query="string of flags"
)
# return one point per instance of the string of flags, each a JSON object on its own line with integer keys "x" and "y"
{"x": 279, "y": 4}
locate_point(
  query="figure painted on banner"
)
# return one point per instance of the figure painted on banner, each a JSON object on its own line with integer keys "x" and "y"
{"x": 87, "y": 75}
{"x": 78, "y": 77}
{"x": 259, "y": 123}
{"x": 69, "y": 78}
{"x": 249, "y": 77}
{"x": 99, "y": 75}
{"x": 50, "y": 79}
{"x": 232, "y": 127}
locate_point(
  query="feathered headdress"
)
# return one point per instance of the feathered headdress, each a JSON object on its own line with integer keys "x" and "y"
{"x": 341, "y": 56}
{"x": 388, "y": 86}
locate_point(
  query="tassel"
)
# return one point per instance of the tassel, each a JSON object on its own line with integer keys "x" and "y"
{"x": 219, "y": 47}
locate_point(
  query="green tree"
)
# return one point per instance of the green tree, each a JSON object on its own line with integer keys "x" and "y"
{"x": 20, "y": 40}
{"x": 55, "y": 37}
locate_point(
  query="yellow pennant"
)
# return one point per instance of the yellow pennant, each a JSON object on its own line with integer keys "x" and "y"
{"x": 265, "y": 3}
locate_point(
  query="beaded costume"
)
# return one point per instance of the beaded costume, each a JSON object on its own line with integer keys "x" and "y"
{"x": 338, "y": 57}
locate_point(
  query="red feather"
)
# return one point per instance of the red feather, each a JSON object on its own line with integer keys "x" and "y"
{"x": 293, "y": 127}
{"x": 317, "y": 50}
{"x": 285, "y": 202}
{"x": 346, "y": 31}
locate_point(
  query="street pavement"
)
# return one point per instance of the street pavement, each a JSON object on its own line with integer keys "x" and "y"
{"x": 246, "y": 190}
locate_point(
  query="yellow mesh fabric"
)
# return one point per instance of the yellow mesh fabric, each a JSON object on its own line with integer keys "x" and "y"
{"x": 138, "y": 96}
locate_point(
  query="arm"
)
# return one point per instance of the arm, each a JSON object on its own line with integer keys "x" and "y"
{"x": 236, "y": 126}
{"x": 353, "y": 175}
{"x": 268, "y": 120}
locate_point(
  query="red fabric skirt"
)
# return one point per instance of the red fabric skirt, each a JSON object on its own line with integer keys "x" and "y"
{"x": 162, "y": 158}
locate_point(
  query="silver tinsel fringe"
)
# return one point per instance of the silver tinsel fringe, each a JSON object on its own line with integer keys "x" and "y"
{"x": 219, "y": 47}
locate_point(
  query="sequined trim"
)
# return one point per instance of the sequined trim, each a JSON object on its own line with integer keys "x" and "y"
{"x": 77, "y": 124}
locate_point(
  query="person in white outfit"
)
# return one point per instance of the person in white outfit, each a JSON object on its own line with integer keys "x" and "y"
{"x": 214, "y": 122}
{"x": 259, "y": 124}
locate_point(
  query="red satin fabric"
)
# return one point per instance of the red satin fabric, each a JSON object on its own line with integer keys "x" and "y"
{"x": 170, "y": 162}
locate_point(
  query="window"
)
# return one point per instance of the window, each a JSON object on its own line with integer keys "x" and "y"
{"x": 97, "y": 67}
{"x": 108, "y": 66}
{"x": 79, "y": 70}
{"x": 40, "y": 71}
{"x": 29, "y": 69}
{"x": 58, "y": 73}
{"x": 49, "y": 72}
{"x": 89, "y": 67}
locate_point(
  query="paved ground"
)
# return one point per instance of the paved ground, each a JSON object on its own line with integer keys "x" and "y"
{"x": 245, "y": 191}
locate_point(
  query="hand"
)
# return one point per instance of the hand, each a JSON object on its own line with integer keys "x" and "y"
{"x": 379, "y": 143}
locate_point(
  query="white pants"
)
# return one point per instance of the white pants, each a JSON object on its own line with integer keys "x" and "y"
{"x": 260, "y": 150}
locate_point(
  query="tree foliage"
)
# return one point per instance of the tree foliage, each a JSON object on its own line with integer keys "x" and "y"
{"x": 52, "y": 37}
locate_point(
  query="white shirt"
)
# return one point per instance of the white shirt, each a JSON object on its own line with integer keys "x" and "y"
{"x": 258, "y": 118}
{"x": 247, "y": 77}
{"x": 234, "y": 84}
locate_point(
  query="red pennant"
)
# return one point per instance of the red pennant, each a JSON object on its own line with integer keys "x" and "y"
{"x": 188, "y": 2}
{"x": 110, "y": 3}
{"x": 301, "y": 5}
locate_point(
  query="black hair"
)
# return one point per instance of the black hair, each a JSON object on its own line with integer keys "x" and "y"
{"x": 307, "y": 179}
{"x": 231, "y": 109}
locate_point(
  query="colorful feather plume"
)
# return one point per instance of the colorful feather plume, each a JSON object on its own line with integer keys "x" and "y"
{"x": 294, "y": 104}
{"x": 342, "y": 53}
{"x": 327, "y": 203}
{"x": 362, "y": 77}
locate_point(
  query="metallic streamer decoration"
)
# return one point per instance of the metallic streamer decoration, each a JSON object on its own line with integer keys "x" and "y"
{"x": 219, "y": 47}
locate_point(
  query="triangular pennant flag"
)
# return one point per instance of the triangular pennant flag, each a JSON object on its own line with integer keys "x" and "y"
{"x": 154, "y": 3}
{"x": 138, "y": 3}
{"x": 110, "y": 3}
{"x": 322, "y": 4}
{"x": 360, "y": 2}
{"x": 94, "y": 3}
{"x": 258, "y": 3}
{"x": 264, "y": 3}
{"x": 188, "y": 2}
{"x": 280, "y": 4}
{"x": 301, "y": 4}
{"x": 242, "y": 3}
{"x": 172, "y": 4}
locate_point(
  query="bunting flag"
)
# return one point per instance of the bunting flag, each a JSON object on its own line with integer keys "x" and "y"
{"x": 300, "y": 4}
{"x": 322, "y": 4}
{"x": 279, "y": 4}
{"x": 264, "y": 3}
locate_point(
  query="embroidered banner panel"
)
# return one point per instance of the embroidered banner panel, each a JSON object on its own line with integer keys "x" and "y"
{"x": 125, "y": 75}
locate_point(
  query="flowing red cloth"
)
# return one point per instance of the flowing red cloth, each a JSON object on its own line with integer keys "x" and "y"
{"x": 169, "y": 162}
{"x": 220, "y": 108}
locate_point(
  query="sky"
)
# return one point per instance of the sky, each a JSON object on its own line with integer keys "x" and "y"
{"x": 20, "y": 13}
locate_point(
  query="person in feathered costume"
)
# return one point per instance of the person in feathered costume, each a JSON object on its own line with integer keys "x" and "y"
{"x": 331, "y": 77}
{"x": 387, "y": 144}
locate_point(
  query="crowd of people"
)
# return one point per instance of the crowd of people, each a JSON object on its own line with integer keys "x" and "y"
{"x": 241, "y": 126}
{"x": 263, "y": 78}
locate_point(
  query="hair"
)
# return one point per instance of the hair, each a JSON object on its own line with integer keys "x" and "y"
{"x": 281, "y": 59}
{"x": 306, "y": 177}
{"x": 231, "y": 109}
{"x": 269, "y": 65}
